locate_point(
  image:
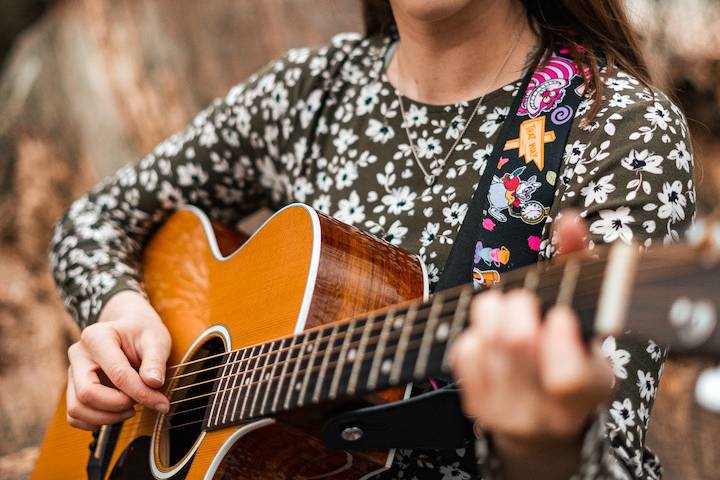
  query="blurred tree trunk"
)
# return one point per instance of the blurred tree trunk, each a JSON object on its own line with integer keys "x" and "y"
{"x": 95, "y": 84}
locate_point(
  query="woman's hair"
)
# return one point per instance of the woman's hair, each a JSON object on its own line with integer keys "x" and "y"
{"x": 600, "y": 27}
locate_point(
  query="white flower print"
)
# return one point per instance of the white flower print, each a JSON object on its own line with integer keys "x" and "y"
{"x": 191, "y": 174}
{"x": 346, "y": 175}
{"x": 617, "y": 356}
{"x": 455, "y": 127}
{"x": 324, "y": 181}
{"x": 302, "y": 188}
{"x": 643, "y": 414}
{"x": 428, "y": 147}
{"x": 614, "y": 224}
{"x": 309, "y": 107}
{"x": 643, "y": 161}
{"x": 620, "y": 100}
{"x": 455, "y": 213}
{"x": 148, "y": 179}
{"x": 368, "y": 98}
{"x": 658, "y": 116}
{"x": 395, "y": 233}
{"x": 494, "y": 120}
{"x": 378, "y": 131}
{"x": 322, "y": 203}
{"x": 673, "y": 201}
{"x": 350, "y": 211}
{"x": 654, "y": 350}
{"x": 618, "y": 84}
{"x": 344, "y": 139}
{"x": 681, "y": 156}
{"x": 279, "y": 101}
{"x": 623, "y": 414}
{"x": 429, "y": 233}
{"x": 646, "y": 384}
{"x": 597, "y": 192}
{"x": 416, "y": 116}
{"x": 574, "y": 152}
{"x": 400, "y": 199}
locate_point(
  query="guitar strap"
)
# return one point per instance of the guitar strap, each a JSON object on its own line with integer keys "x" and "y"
{"x": 502, "y": 230}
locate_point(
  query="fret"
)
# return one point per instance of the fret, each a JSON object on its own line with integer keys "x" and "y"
{"x": 301, "y": 361}
{"x": 570, "y": 274}
{"x": 428, "y": 335}
{"x": 323, "y": 366}
{"x": 232, "y": 373}
{"x": 341, "y": 360}
{"x": 407, "y": 327}
{"x": 458, "y": 321}
{"x": 352, "y": 384}
{"x": 283, "y": 372}
{"x": 217, "y": 402}
{"x": 250, "y": 382}
{"x": 246, "y": 366}
{"x": 262, "y": 376}
{"x": 309, "y": 369}
{"x": 380, "y": 351}
{"x": 271, "y": 387}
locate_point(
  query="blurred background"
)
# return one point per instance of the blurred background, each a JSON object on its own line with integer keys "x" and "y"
{"x": 88, "y": 85}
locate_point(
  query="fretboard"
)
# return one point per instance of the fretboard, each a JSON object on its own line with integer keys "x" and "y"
{"x": 405, "y": 343}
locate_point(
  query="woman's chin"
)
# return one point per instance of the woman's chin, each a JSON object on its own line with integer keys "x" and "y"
{"x": 430, "y": 10}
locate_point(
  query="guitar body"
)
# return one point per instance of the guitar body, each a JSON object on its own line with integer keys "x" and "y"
{"x": 300, "y": 270}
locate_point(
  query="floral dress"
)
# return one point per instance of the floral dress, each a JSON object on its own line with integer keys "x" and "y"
{"x": 323, "y": 126}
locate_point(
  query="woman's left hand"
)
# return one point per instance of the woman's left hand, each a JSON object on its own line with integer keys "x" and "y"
{"x": 534, "y": 385}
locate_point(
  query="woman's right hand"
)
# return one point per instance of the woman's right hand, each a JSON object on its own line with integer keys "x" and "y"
{"x": 130, "y": 345}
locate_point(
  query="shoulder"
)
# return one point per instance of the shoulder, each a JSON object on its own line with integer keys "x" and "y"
{"x": 632, "y": 112}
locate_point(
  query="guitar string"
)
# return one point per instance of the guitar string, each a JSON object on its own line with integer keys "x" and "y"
{"x": 288, "y": 390}
{"x": 415, "y": 330}
{"x": 327, "y": 328}
{"x": 509, "y": 277}
{"x": 303, "y": 353}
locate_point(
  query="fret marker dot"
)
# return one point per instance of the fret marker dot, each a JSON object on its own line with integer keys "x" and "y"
{"x": 352, "y": 353}
{"x": 267, "y": 376}
{"x": 246, "y": 380}
{"x": 385, "y": 367}
{"x": 397, "y": 323}
{"x": 442, "y": 331}
{"x": 309, "y": 348}
{"x": 298, "y": 386}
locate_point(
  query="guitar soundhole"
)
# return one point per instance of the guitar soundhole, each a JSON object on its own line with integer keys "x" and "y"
{"x": 189, "y": 393}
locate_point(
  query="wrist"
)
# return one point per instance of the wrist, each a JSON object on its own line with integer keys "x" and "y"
{"x": 539, "y": 457}
{"x": 127, "y": 301}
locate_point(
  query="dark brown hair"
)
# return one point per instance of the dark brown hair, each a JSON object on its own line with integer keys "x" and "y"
{"x": 601, "y": 27}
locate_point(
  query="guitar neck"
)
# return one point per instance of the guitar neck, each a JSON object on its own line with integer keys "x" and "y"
{"x": 410, "y": 342}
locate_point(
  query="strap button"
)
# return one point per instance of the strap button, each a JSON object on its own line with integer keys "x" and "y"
{"x": 352, "y": 434}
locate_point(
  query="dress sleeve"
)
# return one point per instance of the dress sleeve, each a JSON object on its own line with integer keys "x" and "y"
{"x": 225, "y": 163}
{"x": 630, "y": 174}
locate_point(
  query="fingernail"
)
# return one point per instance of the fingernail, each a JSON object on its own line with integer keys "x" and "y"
{"x": 155, "y": 374}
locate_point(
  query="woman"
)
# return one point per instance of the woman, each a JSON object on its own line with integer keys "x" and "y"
{"x": 325, "y": 127}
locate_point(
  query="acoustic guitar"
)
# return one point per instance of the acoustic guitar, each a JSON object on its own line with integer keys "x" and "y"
{"x": 310, "y": 317}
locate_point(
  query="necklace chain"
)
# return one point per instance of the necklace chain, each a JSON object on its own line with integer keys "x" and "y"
{"x": 431, "y": 177}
